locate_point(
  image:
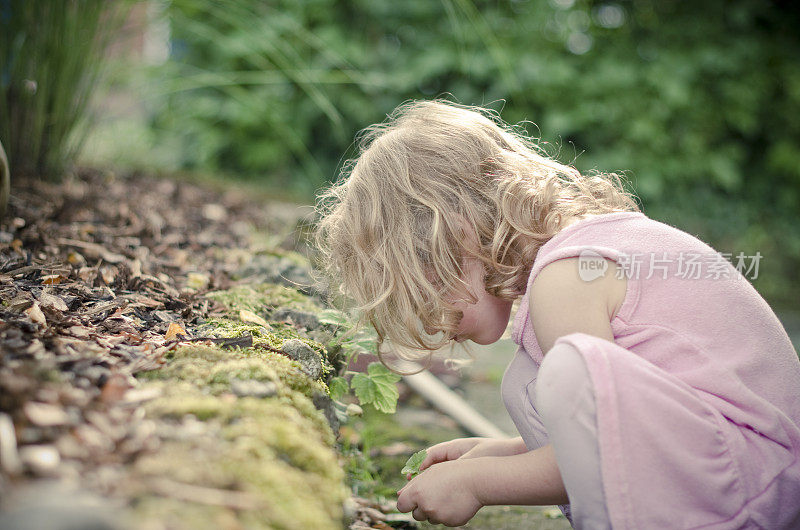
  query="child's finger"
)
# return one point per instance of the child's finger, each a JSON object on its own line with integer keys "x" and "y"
{"x": 404, "y": 502}
{"x": 435, "y": 455}
{"x": 429, "y": 461}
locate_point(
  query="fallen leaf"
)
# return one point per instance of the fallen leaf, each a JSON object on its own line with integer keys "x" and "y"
{"x": 249, "y": 316}
{"x": 108, "y": 273}
{"x": 81, "y": 332}
{"x": 20, "y": 303}
{"x": 87, "y": 273}
{"x": 52, "y": 279}
{"x": 164, "y": 316}
{"x": 97, "y": 251}
{"x": 110, "y": 341}
{"x": 52, "y": 301}
{"x": 174, "y": 330}
{"x": 144, "y": 301}
{"x": 74, "y": 258}
{"x": 35, "y": 314}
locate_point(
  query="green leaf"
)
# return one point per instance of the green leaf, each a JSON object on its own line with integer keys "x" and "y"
{"x": 377, "y": 387}
{"x": 334, "y": 317}
{"x": 362, "y": 341}
{"x": 338, "y": 387}
{"x": 412, "y": 466}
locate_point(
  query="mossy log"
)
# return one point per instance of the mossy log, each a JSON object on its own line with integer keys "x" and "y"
{"x": 243, "y": 443}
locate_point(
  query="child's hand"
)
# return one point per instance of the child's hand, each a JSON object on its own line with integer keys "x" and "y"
{"x": 446, "y": 451}
{"x": 496, "y": 447}
{"x": 444, "y": 494}
{"x": 470, "y": 448}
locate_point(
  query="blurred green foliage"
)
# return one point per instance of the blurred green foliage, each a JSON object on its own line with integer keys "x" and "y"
{"x": 51, "y": 52}
{"x": 696, "y": 100}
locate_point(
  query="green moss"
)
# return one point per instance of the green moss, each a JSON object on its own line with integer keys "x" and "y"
{"x": 306, "y": 407}
{"x": 264, "y": 296}
{"x": 293, "y": 435}
{"x": 202, "y": 406}
{"x": 280, "y": 333}
{"x": 291, "y": 255}
{"x": 279, "y": 451}
{"x": 230, "y": 328}
{"x": 215, "y": 368}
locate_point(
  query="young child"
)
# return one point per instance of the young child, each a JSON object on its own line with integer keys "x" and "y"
{"x": 653, "y": 387}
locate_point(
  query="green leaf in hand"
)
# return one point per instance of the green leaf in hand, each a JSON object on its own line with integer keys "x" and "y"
{"x": 412, "y": 466}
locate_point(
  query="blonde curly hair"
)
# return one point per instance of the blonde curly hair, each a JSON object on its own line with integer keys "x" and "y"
{"x": 395, "y": 228}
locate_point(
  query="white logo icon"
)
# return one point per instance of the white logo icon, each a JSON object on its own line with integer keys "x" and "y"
{"x": 591, "y": 265}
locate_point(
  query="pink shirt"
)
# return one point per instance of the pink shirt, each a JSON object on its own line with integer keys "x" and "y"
{"x": 690, "y": 313}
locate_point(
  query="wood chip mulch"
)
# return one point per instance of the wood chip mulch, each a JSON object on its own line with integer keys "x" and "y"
{"x": 93, "y": 272}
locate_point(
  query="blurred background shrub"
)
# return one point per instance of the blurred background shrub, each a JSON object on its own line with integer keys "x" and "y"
{"x": 50, "y": 61}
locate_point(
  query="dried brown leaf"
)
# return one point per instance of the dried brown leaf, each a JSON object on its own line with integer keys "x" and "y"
{"x": 249, "y": 316}
{"x": 52, "y": 279}
{"x": 80, "y": 332}
{"x": 20, "y": 302}
{"x": 34, "y": 312}
{"x": 74, "y": 258}
{"x": 52, "y": 301}
{"x": 174, "y": 330}
{"x": 108, "y": 273}
{"x": 93, "y": 250}
{"x": 143, "y": 301}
